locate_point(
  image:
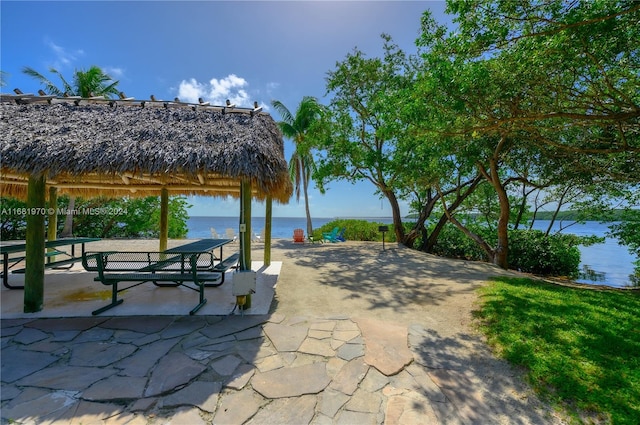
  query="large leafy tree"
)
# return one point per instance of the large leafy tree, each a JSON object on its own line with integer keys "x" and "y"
{"x": 578, "y": 66}
{"x": 298, "y": 127}
{"x": 363, "y": 131}
{"x": 368, "y": 138}
{"x": 85, "y": 83}
{"x": 544, "y": 80}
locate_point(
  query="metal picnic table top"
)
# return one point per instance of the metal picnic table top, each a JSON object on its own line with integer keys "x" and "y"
{"x": 203, "y": 245}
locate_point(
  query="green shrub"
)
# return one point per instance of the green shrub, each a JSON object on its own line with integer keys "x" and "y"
{"x": 531, "y": 251}
{"x": 358, "y": 230}
{"x": 452, "y": 243}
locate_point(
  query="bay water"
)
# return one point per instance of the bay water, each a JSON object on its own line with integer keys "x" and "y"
{"x": 608, "y": 263}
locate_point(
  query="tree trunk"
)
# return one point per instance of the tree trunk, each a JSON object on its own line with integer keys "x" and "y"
{"x": 491, "y": 254}
{"x": 502, "y": 248}
{"x": 398, "y": 228}
{"x": 67, "y": 230}
{"x": 419, "y": 229}
{"x": 305, "y": 185}
{"x": 474, "y": 237}
{"x": 460, "y": 197}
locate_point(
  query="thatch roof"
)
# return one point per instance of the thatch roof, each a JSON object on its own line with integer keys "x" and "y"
{"x": 88, "y": 147}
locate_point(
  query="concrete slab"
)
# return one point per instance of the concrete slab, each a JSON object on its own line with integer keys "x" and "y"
{"x": 73, "y": 293}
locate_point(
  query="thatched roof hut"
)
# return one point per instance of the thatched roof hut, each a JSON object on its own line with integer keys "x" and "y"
{"x": 119, "y": 147}
{"x": 95, "y": 146}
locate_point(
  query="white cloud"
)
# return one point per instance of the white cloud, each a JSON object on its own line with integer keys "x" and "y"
{"x": 64, "y": 57}
{"x": 190, "y": 91}
{"x": 217, "y": 91}
{"x": 272, "y": 86}
{"x": 115, "y": 73}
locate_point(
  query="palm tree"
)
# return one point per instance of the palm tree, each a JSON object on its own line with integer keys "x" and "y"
{"x": 92, "y": 82}
{"x": 301, "y": 164}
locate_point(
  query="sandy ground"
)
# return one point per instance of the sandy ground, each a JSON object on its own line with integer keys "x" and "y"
{"x": 402, "y": 286}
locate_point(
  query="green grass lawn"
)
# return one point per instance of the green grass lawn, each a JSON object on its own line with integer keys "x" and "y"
{"x": 580, "y": 347}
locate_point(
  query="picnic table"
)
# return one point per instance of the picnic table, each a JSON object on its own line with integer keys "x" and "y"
{"x": 203, "y": 245}
{"x": 20, "y": 247}
{"x": 208, "y": 246}
{"x": 193, "y": 266}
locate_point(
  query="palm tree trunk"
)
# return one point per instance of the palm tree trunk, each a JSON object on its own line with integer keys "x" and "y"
{"x": 305, "y": 185}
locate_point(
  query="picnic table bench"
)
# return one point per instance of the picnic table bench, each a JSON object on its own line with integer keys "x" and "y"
{"x": 53, "y": 250}
{"x": 192, "y": 270}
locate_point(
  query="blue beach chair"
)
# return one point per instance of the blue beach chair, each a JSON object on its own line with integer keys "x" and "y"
{"x": 331, "y": 236}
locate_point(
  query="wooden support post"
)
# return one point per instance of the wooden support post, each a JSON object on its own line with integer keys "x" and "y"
{"x": 34, "y": 273}
{"x": 267, "y": 231}
{"x": 245, "y": 237}
{"x": 52, "y": 218}
{"x": 245, "y": 222}
{"x": 164, "y": 218}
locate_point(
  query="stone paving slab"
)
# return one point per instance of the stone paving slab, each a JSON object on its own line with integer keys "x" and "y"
{"x": 385, "y": 345}
{"x": 291, "y": 382}
{"x": 17, "y": 363}
{"x": 233, "y": 370}
{"x": 286, "y": 338}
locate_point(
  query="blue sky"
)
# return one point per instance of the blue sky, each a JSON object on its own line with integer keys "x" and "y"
{"x": 243, "y": 51}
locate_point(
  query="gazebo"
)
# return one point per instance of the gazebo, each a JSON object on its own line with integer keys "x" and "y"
{"x": 126, "y": 147}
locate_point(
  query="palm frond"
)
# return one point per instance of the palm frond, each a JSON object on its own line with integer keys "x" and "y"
{"x": 49, "y": 87}
{"x": 288, "y": 130}
{"x": 67, "y": 88}
{"x": 283, "y": 111}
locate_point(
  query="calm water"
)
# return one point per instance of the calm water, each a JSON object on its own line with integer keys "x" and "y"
{"x": 607, "y": 263}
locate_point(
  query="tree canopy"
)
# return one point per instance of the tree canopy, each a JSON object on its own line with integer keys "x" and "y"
{"x": 534, "y": 100}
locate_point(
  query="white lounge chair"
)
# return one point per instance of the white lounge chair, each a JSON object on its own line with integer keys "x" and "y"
{"x": 258, "y": 237}
{"x": 231, "y": 234}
